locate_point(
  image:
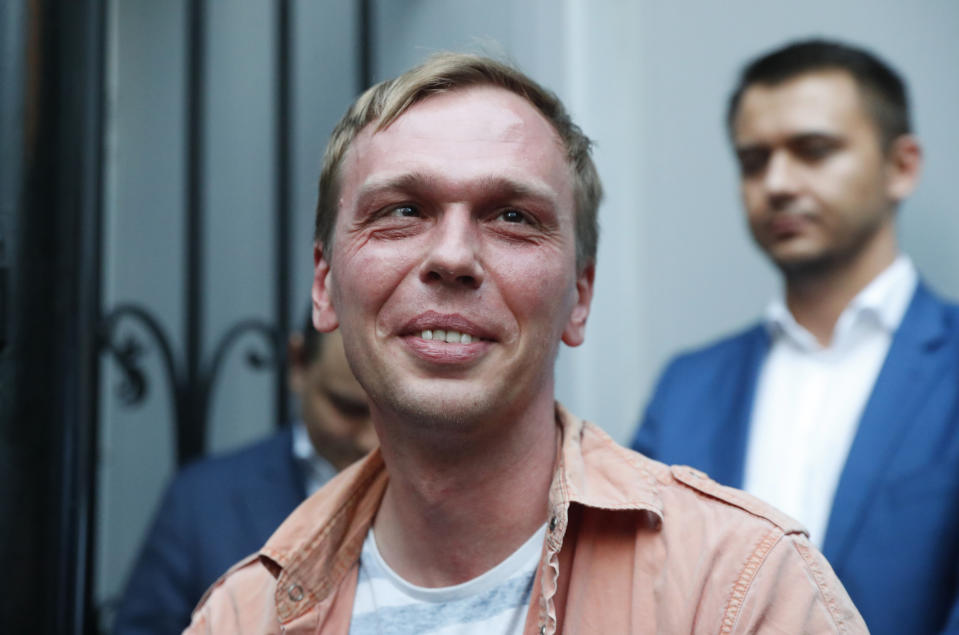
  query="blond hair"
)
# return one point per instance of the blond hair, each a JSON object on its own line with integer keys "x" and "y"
{"x": 387, "y": 101}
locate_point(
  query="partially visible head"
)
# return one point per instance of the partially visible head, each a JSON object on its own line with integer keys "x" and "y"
{"x": 821, "y": 134}
{"x": 882, "y": 89}
{"x": 333, "y": 405}
{"x": 382, "y": 104}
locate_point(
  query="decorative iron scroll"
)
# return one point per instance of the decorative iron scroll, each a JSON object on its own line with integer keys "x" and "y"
{"x": 191, "y": 394}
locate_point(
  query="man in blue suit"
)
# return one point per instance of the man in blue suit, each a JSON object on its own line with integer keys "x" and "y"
{"x": 841, "y": 406}
{"x": 218, "y": 510}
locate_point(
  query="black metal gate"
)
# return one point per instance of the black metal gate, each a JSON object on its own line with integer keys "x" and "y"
{"x": 54, "y": 330}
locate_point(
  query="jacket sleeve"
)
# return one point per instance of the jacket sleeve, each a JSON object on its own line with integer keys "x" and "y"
{"x": 647, "y": 440}
{"x": 792, "y": 590}
{"x": 161, "y": 590}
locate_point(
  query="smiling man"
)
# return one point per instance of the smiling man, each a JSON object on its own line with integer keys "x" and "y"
{"x": 455, "y": 250}
{"x": 842, "y": 407}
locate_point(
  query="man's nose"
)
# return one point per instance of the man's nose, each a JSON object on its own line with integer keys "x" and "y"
{"x": 780, "y": 180}
{"x": 453, "y": 257}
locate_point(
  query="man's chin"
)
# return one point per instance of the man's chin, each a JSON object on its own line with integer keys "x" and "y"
{"x": 451, "y": 409}
{"x": 804, "y": 265}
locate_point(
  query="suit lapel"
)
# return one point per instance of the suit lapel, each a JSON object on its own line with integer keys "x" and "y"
{"x": 724, "y": 454}
{"x": 906, "y": 376}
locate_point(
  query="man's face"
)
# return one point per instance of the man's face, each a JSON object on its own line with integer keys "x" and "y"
{"x": 816, "y": 184}
{"x": 453, "y": 274}
{"x": 333, "y": 405}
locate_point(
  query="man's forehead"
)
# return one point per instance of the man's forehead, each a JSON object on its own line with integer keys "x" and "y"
{"x": 482, "y": 112}
{"x": 825, "y": 100}
{"x": 474, "y": 124}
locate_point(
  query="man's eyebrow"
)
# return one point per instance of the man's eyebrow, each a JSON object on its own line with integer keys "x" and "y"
{"x": 496, "y": 186}
{"x": 816, "y": 135}
{"x": 505, "y": 186}
{"x": 409, "y": 182}
{"x": 804, "y": 135}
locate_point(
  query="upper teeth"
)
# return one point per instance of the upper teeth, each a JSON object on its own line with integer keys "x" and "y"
{"x": 451, "y": 337}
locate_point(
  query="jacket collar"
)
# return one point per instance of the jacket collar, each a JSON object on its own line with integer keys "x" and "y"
{"x": 320, "y": 543}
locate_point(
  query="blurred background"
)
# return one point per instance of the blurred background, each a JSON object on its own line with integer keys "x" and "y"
{"x": 158, "y": 167}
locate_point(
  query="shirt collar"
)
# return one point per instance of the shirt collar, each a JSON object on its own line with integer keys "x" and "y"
{"x": 315, "y": 469}
{"x": 884, "y": 301}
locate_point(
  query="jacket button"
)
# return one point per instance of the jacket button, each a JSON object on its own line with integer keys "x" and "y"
{"x": 295, "y": 592}
{"x": 552, "y": 526}
{"x": 542, "y": 629}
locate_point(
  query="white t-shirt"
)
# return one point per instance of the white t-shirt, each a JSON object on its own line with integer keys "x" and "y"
{"x": 492, "y": 603}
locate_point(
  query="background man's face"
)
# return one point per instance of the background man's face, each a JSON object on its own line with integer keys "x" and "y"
{"x": 815, "y": 180}
{"x": 453, "y": 273}
{"x": 333, "y": 405}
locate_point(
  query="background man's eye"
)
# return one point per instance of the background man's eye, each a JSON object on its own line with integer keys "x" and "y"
{"x": 752, "y": 162}
{"x": 512, "y": 216}
{"x": 815, "y": 150}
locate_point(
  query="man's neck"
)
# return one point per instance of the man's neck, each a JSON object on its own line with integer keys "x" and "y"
{"x": 447, "y": 517}
{"x": 817, "y": 299}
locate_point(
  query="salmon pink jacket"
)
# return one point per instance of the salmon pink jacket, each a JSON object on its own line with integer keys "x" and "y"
{"x": 632, "y": 546}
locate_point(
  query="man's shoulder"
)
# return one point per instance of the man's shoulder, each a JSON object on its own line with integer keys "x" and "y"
{"x": 718, "y": 350}
{"x": 926, "y": 304}
{"x": 236, "y": 464}
{"x": 708, "y": 493}
{"x": 722, "y": 364}
{"x": 680, "y": 491}
{"x": 249, "y": 580}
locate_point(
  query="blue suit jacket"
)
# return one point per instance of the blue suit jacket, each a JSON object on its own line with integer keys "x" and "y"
{"x": 893, "y": 532}
{"x": 214, "y": 513}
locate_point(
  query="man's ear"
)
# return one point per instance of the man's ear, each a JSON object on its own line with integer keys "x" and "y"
{"x": 903, "y": 164}
{"x": 575, "y": 331}
{"x": 324, "y": 315}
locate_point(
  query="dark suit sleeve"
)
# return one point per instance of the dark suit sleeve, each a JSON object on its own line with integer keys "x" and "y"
{"x": 162, "y": 589}
{"x": 647, "y": 439}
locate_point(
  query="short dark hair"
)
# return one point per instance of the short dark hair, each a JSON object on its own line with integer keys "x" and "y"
{"x": 882, "y": 88}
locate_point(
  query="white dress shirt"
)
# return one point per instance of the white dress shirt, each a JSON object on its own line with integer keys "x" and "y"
{"x": 315, "y": 469}
{"x": 809, "y": 398}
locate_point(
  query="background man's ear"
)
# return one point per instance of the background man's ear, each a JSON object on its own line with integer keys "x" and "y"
{"x": 904, "y": 164}
{"x": 575, "y": 331}
{"x": 324, "y": 315}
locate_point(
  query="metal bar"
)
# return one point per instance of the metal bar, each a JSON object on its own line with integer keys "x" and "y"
{"x": 90, "y": 88}
{"x": 191, "y": 431}
{"x": 284, "y": 122}
{"x": 365, "y": 47}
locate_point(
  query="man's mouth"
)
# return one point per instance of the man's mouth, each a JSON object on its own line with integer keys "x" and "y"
{"x": 444, "y": 327}
{"x": 450, "y": 337}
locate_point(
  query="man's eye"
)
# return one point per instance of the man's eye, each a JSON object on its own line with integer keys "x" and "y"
{"x": 751, "y": 162}
{"x": 513, "y": 216}
{"x": 815, "y": 149}
{"x": 406, "y": 211}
